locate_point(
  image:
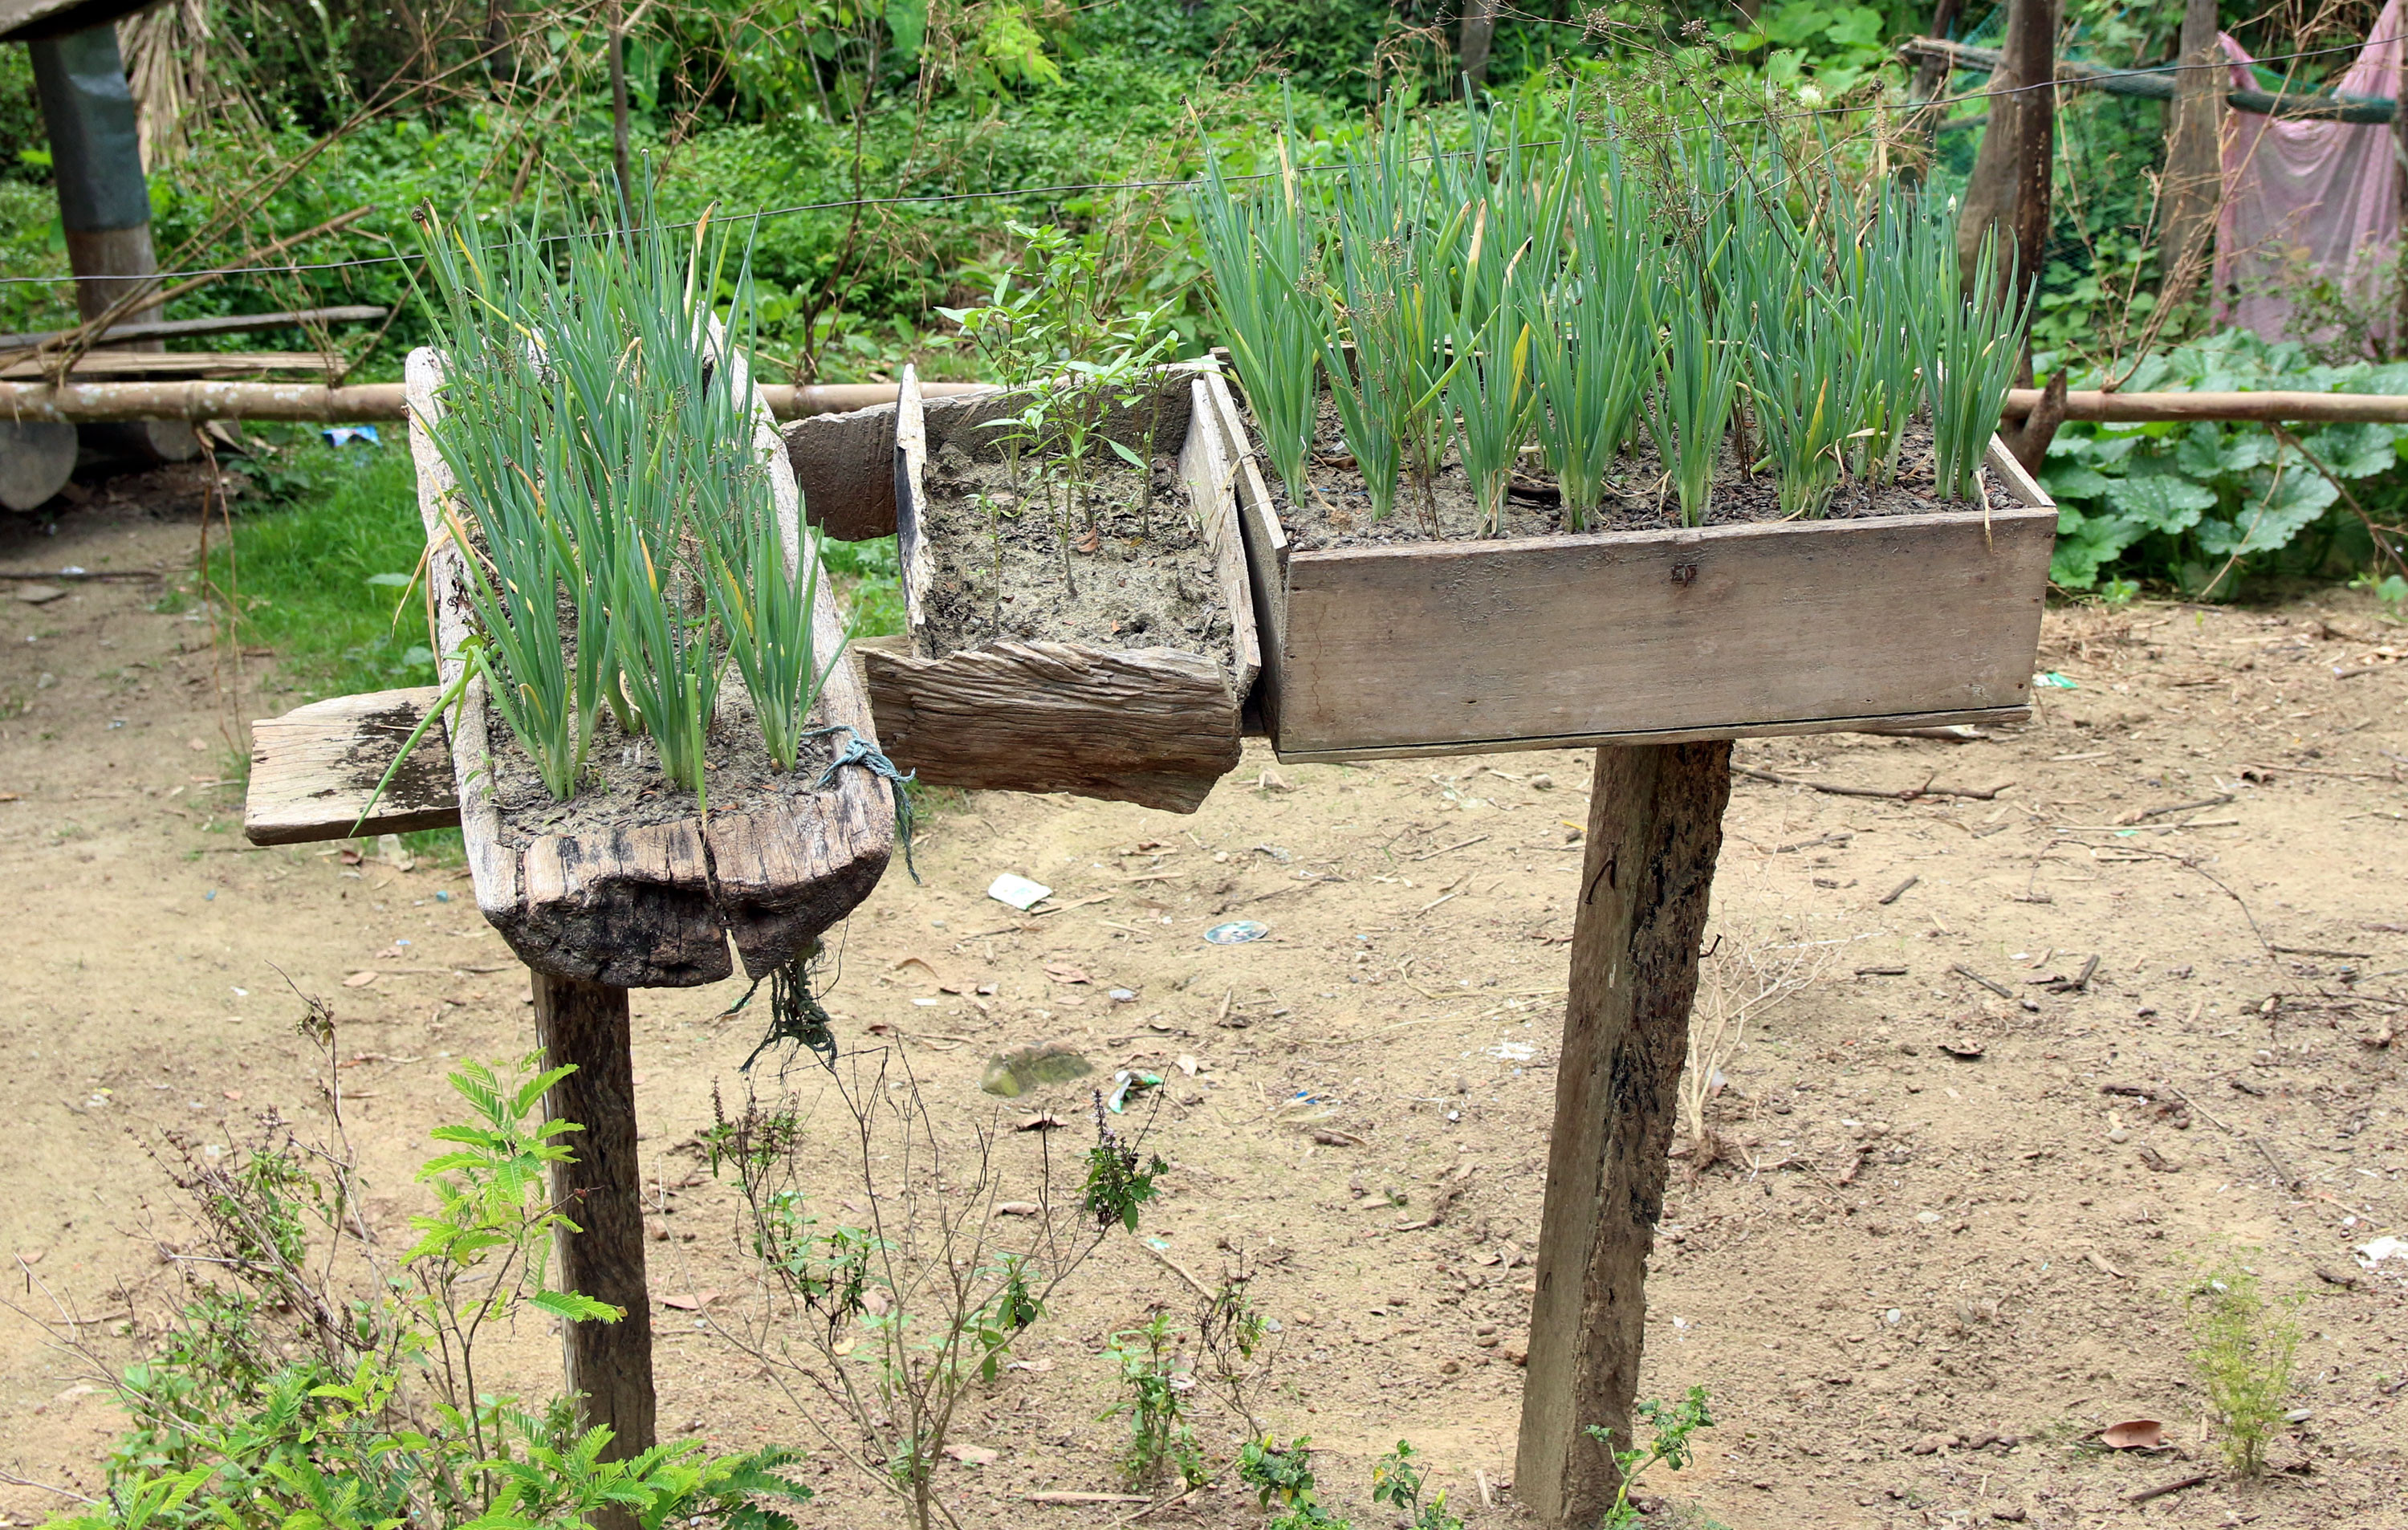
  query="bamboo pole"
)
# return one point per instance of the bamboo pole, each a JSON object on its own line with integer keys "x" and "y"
{"x": 364, "y": 403}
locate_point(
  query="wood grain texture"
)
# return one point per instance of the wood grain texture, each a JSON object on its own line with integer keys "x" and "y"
{"x": 315, "y": 768}
{"x": 1659, "y": 635}
{"x": 1158, "y": 726}
{"x": 608, "y": 1365}
{"x": 1261, "y": 537}
{"x": 1667, "y": 736}
{"x": 1655, "y": 829}
{"x": 840, "y": 463}
{"x": 1211, "y": 471}
{"x": 656, "y": 905}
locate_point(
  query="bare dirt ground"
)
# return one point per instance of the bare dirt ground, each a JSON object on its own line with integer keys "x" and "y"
{"x": 1915, "y": 1280}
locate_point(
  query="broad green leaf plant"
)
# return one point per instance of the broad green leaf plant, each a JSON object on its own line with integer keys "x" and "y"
{"x": 2203, "y": 505}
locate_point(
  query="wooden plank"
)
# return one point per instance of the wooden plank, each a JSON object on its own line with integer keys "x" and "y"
{"x": 315, "y": 768}
{"x": 1211, "y": 474}
{"x": 838, "y": 462}
{"x": 1722, "y": 629}
{"x": 608, "y": 1365}
{"x": 1655, "y": 829}
{"x": 1157, "y": 726}
{"x": 1668, "y": 735}
{"x": 1264, "y": 540}
{"x": 656, "y": 906}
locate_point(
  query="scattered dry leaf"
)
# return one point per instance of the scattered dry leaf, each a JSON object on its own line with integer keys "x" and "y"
{"x": 691, "y": 1301}
{"x": 360, "y": 979}
{"x": 2133, "y": 1434}
{"x": 973, "y": 1455}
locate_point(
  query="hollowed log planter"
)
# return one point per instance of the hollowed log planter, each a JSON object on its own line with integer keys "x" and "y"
{"x": 654, "y": 903}
{"x": 1156, "y": 724}
{"x": 1645, "y": 637}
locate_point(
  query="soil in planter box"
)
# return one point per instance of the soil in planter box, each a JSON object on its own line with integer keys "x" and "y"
{"x": 1148, "y": 581}
{"x": 1637, "y": 498}
{"x": 624, "y": 786}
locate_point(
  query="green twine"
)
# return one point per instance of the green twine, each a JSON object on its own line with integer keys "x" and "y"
{"x": 859, "y": 751}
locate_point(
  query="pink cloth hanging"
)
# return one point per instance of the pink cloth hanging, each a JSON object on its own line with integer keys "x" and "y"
{"x": 2322, "y": 196}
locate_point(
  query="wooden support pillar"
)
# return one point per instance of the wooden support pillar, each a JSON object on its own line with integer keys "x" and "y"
{"x": 103, "y": 204}
{"x": 1655, "y": 829}
{"x": 609, "y": 1365}
{"x": 2032, "y": 54}
{"x": 2193, "y": 185}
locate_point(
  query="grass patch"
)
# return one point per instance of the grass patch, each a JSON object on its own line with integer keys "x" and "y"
{"x": 322, "y": 555}
{"x": 320, "y": 564}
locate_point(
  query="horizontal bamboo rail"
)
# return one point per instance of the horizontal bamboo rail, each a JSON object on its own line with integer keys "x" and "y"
{"x": 83, "y": 403}
{"x": 91, "y": 403}
{"x": 2322, "y": 408}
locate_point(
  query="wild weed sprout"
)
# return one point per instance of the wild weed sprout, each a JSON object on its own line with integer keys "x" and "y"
{"x": 2243, "y": 1347}
{"x": 1486, "y": 295}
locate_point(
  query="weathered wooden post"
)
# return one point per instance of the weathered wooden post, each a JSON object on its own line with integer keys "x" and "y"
{"x": 1654, "y": 828}
{"x": 609, "y": 1365}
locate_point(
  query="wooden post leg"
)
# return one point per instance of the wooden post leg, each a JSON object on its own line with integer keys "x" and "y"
{"x": 609, "y": 1365}
{"x": 1655, "y": 827}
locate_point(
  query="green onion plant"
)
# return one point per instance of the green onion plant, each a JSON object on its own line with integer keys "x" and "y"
{"x": 621, "y": 533}
{"x": 1260, "y": 249}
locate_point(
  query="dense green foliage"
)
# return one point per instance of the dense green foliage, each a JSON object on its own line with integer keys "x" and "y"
{"x": 1006, "y": 108}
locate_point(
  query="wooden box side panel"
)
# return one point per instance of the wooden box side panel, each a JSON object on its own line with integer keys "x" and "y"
{"x": 1211, "y": 477}
{"x": 1154, "y": 726}
{"x": 1259, "y": 530}
{"x": 1656, "y": 632}
{"x": 966, "y": 423}
{"x": 841, "y": 465}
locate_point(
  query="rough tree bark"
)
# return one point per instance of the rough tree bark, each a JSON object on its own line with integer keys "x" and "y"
{"x": 1477, "y": 29}
{"x": 2193, "y": 184}
{"x": 2032, "y": 52}
{"x": 1654, "y": 828}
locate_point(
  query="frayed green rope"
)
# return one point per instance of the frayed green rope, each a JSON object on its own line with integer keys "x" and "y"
{"x": 859, "y": 751}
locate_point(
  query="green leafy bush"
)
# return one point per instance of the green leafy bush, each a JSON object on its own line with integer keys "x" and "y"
{"x": 2203, "y": 505}
{"x": 316, "y": 1380}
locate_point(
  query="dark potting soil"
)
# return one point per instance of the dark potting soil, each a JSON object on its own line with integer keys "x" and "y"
{"x": 624, "y": 786}
{"x": 1140, "y": 579}
{"x": 1637, "y": 497}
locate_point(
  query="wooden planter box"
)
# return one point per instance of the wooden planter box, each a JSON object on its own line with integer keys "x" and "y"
{"x": 655, "y": 905}
{"x": 1642, "y": 637}
{"x": 1155, "y": 725}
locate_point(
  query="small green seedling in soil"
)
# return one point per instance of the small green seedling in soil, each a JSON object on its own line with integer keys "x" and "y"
{"x": 2243, "y": 1348}
{"x": 1397, "y": 1479}
{"x": 1673, "y": 1423}
{"x": 1161, "y": 1442}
